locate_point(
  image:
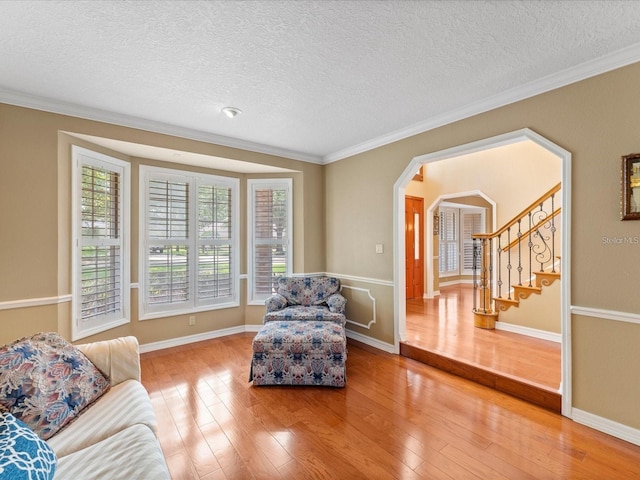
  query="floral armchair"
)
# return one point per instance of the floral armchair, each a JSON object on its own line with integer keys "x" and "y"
{"x": 307, "y": 298}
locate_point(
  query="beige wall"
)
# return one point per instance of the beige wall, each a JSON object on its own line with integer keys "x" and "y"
{"x": 35, "y": 214}
{"x": 595, "y": 121}
{"x": 512, "y": 176}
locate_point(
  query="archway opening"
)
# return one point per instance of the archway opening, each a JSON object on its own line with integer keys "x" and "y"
{"x": 474, "y": 152}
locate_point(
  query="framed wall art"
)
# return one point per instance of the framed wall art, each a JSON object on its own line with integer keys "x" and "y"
{"x": 631, "y": 187}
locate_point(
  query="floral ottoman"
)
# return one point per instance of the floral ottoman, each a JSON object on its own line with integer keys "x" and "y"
{"x": 299, "y": 353}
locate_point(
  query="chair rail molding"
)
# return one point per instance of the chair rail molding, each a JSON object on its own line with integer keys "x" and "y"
{"x": 34, "y": 302}
{"x": 606, "y": 314}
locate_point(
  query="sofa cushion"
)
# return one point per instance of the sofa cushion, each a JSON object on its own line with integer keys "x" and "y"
{"x": 126, "y": 404}
{"x": 133, "y": 453}
{"x": 23, "y": 455}
{"x": 307, "y": 290}
{"x": 320, "y": 314}
{"x": 46, "y": 382}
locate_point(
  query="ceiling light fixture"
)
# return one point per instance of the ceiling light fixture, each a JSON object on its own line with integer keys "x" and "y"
{"x": 231, "y": 111}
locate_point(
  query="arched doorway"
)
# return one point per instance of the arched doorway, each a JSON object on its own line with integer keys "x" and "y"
{"x": 524, "y": 135}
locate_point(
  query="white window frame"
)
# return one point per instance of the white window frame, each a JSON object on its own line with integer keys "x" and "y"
{"x": 83, "y": 328}
{"x": 254, "y": 185}
{"x": 193, "y": 304}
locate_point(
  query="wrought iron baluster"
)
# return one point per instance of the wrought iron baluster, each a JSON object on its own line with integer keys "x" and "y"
{"x": 476, "y": 250}
{"x": 519, "y": 252}
{"x": 490, "y": 277}
{"x": 499, "y": 260}
{"x": 553, "y": 234}
{"x": 509, "y": 265}
{"x": 530, "y": 244}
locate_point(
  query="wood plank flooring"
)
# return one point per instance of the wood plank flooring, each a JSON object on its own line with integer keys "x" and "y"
{"x": 440, "y": 332}
{"x": 396, "y": 419}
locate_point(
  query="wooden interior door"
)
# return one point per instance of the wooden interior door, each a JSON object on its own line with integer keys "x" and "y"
{"x": 414, "y": 246}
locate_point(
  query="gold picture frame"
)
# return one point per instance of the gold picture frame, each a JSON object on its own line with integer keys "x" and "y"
{"x": 631, "y": 187}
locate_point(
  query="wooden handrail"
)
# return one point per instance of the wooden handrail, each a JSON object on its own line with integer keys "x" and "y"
{"x": 520, "y": 215}
{"x": 535, "y": 227}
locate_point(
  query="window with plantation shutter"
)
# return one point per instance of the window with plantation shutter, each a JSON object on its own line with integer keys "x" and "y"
{"x": 168, "y": 236}
{"x": 189, "y": 242}
{"x": 101, "y": 255}
{"x": 215, "y": 227}
{"x": 270, "y": 225}
{"x": 457, "y": 225}
{"x": 473, "y": 221}
{"x": 448, "y": 249}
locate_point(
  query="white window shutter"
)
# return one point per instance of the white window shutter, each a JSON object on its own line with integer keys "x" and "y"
{"x": 101, "y": 255}
{"x": 189, "y": 237}
{"x": 473, "y": 221}
{"x": 270, "y": 235}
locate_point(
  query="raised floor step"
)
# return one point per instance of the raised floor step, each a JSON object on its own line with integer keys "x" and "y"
{"x": 525, "y": 390}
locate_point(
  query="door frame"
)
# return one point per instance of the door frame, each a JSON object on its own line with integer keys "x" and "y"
{"x": 526, "y": 134}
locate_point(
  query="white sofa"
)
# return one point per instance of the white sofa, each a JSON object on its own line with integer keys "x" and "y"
{"x": 115, "y": 438}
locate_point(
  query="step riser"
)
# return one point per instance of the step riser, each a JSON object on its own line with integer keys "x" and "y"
{"x": 545, "y": 398}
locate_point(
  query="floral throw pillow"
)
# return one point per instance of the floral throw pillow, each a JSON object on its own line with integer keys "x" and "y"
{"x": 46, "y": 382}
{"x": 23, "y": 455}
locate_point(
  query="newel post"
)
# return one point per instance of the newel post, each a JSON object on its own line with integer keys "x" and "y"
{"x": 483, "y": 314}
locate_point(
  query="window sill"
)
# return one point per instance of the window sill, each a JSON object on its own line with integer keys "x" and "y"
{"x": 87, "y": 332}
{"x": 176, "y": 313}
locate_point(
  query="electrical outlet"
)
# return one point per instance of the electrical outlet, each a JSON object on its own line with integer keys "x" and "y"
{"x": 379, "y": 248}
{"x": 192, "y": 320}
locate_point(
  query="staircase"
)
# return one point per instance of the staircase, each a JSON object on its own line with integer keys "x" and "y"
{"x": 524, "y": 248}
{"x": 522, "y": 292}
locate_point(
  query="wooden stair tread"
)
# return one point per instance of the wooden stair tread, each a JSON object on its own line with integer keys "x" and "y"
{"x": 546, "y": 278}
{"x": 502, "y": 304}
{"x": 522, "y": 292}
{"x": 527, "y": 288}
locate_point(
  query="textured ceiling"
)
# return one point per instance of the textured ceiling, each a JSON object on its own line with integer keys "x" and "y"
{"x": 316, "y": 80}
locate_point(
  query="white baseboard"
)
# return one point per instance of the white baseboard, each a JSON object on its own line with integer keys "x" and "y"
{"x": 530, "y": 332}
{"x": 198, "y": 337}
{"x": 372, "y": 342}
{"x": 618, "y": 430}
{"x": 461, "y": 281}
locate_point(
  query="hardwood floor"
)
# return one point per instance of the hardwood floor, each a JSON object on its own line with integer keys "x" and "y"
{"x": 440, "y": 332}
{"x": 396, "y": 419}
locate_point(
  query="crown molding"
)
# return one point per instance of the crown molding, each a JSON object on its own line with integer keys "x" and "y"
{"x": 45, "y": 104}
{"x": 612, "y": 61}
{"x": 591, "y": 68}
